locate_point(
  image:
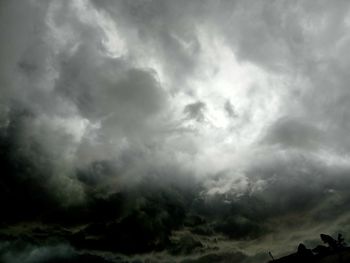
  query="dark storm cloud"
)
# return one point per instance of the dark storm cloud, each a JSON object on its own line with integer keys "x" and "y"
{"x": 309, "y": 178}
{"x": 92, "y": 105}
{"x": 14, "y": 251}
{"x": 122, "y": 98}
{"x": 292, "y": 133}
{"x": 59, "y": 78}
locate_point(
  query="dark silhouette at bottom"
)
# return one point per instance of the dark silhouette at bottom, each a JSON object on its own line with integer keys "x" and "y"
{"x": 334, "y": 250}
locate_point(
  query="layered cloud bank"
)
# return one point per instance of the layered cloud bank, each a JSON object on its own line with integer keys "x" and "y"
{"x": 214, "y": 124}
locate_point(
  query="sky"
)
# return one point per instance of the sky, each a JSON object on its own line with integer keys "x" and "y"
{"x": 171, "y": 130}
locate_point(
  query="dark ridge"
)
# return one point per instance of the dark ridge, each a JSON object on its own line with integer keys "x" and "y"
{"x": 333, "y": 251}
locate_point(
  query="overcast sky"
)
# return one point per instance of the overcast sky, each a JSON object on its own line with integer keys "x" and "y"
{"x": 245, "y": 98}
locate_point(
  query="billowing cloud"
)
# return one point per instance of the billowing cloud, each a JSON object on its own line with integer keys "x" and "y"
{"x": 207, "y": 126}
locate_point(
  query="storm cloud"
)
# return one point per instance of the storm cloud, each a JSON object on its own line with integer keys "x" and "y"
{"x": 214, "y": 129}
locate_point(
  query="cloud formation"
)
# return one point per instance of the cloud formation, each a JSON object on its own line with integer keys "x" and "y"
{"x": 233, "y": 112}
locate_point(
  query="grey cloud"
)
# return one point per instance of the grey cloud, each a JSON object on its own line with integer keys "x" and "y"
{"x": 282, "y": 185}
{"x": 291, "y": 133}
{"x": 195, "y": 111}
{"x": 108, "y": 90}
{"x": 298, "y": 183}
{"x": 275, "y": 34}
{"x": 73, "y": 81}
{"x": 19, "y": 251}
{"x": 77, "y": 123}
{"x": 230, "y": 110}
{"x": 157, "y": 25}
{"x": 21, "y": 61}
{"x": 30, "y": 254}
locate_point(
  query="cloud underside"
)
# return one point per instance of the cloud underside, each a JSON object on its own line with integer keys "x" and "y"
{"x": 208, "y": 129}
